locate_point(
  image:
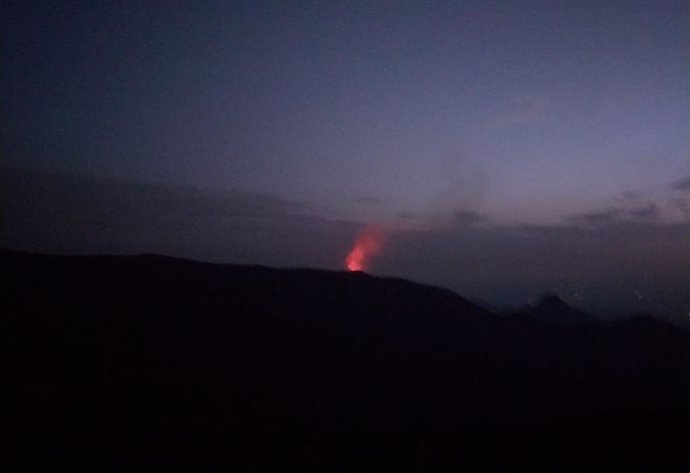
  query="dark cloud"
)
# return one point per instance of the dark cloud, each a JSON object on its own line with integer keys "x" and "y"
{"x": 683, "y": 205}
{"x": 408, "y": 216}
{"x": 682, "y": 184}
{"x": 647, "y": 212}
{"x": 596, "y": 218}
{"x": 631, "y": 195}
{"x": 74, "y": 214}
{"x": 468, "y": 218}
{"x": 612, "y": 215}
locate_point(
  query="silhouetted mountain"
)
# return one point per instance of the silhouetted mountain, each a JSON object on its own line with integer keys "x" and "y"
{"x": 554, "y": 310}
{"x": 551, "y": 302}
{"x": 143, "y": 362}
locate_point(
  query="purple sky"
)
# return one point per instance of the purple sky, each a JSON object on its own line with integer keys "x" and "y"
{"x": 442, "y": 120}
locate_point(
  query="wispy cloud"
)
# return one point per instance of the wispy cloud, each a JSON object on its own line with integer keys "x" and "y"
{"x": 681, "y": 184}
{"x": 466, "y": 218}
{"x": 643, "y": 213}
{"x": 649, "y": 211}
{"x": 523, "y": 110}
{"x": 595, "y": 218}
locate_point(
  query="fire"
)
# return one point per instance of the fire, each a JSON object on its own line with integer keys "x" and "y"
{"x": 355, "y": 259}
{"x": 367, "y": 244}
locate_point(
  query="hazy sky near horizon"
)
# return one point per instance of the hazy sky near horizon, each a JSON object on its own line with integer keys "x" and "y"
{"x": 438, "y": 119}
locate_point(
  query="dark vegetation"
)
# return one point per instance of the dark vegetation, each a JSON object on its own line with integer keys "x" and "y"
{"x": 133, "y": 363}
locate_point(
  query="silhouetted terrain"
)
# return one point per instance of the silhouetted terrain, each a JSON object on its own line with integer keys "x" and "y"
{"x": 130, "y": 363}
{"x": 552, "y": 309}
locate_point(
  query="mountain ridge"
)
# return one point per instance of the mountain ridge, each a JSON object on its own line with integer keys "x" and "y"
{"x": 137, "y": 351}
{"x": 552, "y": 309}
{"x": 546, "y": 304}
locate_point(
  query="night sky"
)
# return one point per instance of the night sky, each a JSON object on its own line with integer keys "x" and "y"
{"x": 501, "y": 149}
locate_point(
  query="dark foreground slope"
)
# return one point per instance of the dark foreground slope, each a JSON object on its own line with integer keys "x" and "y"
{"x": 132, "y": 363}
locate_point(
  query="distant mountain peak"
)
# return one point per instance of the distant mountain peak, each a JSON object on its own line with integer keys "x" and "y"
{"x": 552, "y": 302}
{"x": 552, "y": 308}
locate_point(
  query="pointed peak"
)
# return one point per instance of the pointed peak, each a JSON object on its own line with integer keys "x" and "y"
{"x": 551, "y": 308}
{"x": 552, "y": 302}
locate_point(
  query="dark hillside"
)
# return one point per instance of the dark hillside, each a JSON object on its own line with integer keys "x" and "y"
{"x": 130, "y": 363}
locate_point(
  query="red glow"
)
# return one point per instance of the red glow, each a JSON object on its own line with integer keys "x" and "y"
{"x": 367, "y": 244}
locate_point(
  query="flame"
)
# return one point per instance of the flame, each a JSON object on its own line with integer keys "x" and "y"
{"x": 367, "y": 244}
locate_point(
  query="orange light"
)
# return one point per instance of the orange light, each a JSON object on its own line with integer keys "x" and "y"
{"x": 367, "y": 244}
{"x": 354, "y": 259}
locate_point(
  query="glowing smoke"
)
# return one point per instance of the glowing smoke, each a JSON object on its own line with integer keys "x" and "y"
{"x": 367, "y": 244}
